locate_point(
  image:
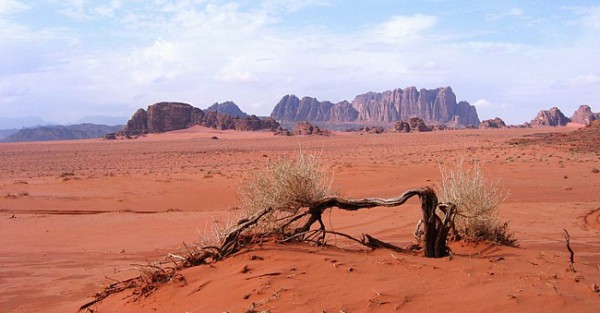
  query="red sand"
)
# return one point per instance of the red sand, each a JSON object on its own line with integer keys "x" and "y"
{"x": 85, "y": 208}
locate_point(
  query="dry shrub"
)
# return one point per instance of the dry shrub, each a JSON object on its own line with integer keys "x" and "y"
{"x": 285, "y": 185}
{"x": 217, "y": 233}
{"x": 477, "y": 203}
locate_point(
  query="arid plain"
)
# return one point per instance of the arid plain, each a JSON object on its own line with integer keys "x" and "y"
{"x": 76, "y": 215}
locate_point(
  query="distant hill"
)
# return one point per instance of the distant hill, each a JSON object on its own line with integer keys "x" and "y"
{"x": 20, "y": 122}
{"x": 436, "y": 106}
{"x": 7, "y": 132}
{"x": 229, "y": 108}
{"x": 60, "y": 132}
{"x": 102, "y": 120}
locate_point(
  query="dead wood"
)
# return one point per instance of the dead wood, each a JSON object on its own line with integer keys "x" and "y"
{"x": 572, "y": 254}
{"x": 438, "y": 219}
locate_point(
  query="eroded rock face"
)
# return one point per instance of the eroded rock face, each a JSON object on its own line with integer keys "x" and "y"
{"x": 229, "y": 108}
{"x": 138, "y": 124}
{"x": 168, "y": 116}
{"x": 290, "y": 108}
{"x": 494, "y": 123}
{"x": 306, "y": 128}
{"x": 553, "y": 117}
{"x": 584, "y": 115}
{"x": 437, "y": 106}
{"x": 413, "y": 125}
{"x": 343, "y": 112}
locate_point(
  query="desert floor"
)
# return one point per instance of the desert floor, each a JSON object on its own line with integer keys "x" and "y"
{"x": 75, "y": 215}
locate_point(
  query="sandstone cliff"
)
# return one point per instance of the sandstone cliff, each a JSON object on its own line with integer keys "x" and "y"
{"x": 436, "y": 106}
{"x": 584, "y": 115}
{"x": 167, "y": 116}
{"x": 495, "y": 123}
{"x": 552, "y": 117}
{"x": 229, "y": 108}
{"x": 413, "y": 125}
{"x": 306, "y": 128}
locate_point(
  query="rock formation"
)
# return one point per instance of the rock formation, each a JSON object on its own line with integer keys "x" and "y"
{"x": 414, "y": 125}
{"x": 306, "y": 128}
{"x": 584, "y": 115}
{"x": 495, "y": 123}
{"x": 552, "y": 117}
{"x": 229, "y": 108}
{"x": 168, "y": 116}
{"x": 292, "y": 109}
{"x": 138, "y": 124}
{"x": 436, "y": 106}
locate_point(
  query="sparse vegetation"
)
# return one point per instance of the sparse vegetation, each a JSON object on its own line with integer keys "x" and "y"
{"x": 477, "y": 203}
{"x": 285, "y": 185}
{"x": 285, "y": 201}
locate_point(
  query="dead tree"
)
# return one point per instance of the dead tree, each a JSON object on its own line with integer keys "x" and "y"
{"x": 437, "y": 219}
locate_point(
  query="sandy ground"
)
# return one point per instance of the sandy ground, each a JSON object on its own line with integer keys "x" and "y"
{"x": 74, "y": 215}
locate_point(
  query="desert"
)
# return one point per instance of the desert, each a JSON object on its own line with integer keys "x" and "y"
{"x": 299, "y": 156}
{"x": 76, "y": 216}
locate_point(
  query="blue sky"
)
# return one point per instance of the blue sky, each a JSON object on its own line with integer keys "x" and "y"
{"x": 65, "y": 59}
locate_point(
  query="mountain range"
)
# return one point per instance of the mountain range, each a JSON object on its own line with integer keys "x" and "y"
{"x": 60, "y": 132}
{"x": 436, "y": 107}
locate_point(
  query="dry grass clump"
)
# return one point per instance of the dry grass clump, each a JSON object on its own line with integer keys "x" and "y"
{"x": 285, "y": 185}
{"x": 477, "y": 202}
{"x": 215, "y": 234}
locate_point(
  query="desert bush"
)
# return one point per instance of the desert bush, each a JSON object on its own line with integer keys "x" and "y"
{"x": 477, "y": 203}
{"x": 285, "y": 185}
{"x": 215, "y": 233}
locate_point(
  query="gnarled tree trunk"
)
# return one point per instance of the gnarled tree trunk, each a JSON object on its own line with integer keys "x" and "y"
{"x": 437, "y": 219}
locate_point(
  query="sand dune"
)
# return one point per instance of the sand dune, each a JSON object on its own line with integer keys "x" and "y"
{"x": 73, "y": 213}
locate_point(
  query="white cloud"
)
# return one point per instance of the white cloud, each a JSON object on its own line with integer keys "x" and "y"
{"x": 482, "y": 103}
{"x": 291, "y": 6}
{"x": 12, "y": 6}
{"x": 405, "y": 27}
{"x": 496, "y": 47}
{"x": 109, "y": 8}
{"x": 75, "y": 9}
{"x": 237, "y": 77}
{"x": 590, "y": 17}
{"x": 586, "y": 80}
{"x": 514, "y": 12}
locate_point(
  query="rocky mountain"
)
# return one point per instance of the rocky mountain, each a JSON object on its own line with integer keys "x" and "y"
{"x": 59, "y": 132}
{"x": 437, "y": 106}
{"x": 493, "y": 123}
{"x": 167, "y": 116}
{"x": 229, "y": 108}
{"x": 7, "y": 132}
{"x": 584, "y": 115}
{"x": 552, "y": 117}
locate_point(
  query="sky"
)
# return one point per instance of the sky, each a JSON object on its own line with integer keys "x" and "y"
{"x": 62, "y": 60}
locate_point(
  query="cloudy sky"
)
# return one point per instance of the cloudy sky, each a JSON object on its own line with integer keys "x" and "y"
{"x": 64, "y": 59}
